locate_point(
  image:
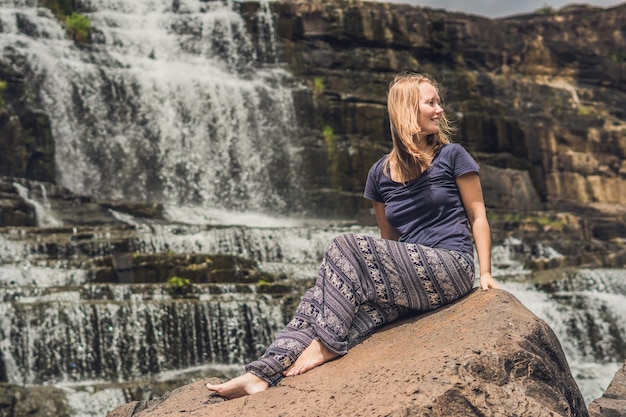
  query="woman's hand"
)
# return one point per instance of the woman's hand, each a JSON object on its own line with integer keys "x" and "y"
{"x": 487, "y": 282}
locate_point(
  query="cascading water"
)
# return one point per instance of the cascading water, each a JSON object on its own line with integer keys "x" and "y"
{"x": 129, "y": 332}
{"x": 175, "y": 103}
{"x": 163, "y": 104}
{"x": 585, "y": 308}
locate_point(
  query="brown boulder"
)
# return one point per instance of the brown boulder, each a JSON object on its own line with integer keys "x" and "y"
{"x": 613, "y": 401}
{"x": 484, "y": 355}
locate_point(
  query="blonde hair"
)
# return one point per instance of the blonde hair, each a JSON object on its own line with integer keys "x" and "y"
{"x": 403, "y": 106}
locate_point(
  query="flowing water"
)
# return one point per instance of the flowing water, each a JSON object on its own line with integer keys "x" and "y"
{"x": 163, "y": 106}
{"x": 57, "y": 328}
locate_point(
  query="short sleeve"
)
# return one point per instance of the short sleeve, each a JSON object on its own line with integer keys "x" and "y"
{"x": 372, "y": 189}
{"x": 463, "y": 162}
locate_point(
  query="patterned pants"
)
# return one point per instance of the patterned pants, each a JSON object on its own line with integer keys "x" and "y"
{"x": 363, "y": 284}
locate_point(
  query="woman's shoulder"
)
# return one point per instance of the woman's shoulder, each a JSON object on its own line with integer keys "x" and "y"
{"x": 452, "y": 147}
{"x": 379, "y": 165}
{"x": 452, "y": 150}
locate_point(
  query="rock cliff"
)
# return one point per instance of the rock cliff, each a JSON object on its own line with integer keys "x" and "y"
{"x": 538, "y": 98}
{"x": 484, "y": 355}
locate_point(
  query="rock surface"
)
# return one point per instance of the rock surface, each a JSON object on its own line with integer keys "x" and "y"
{"x": 484, "y": 355}
{"x": 613, "y": 401}
{"x": 539, "y": 96}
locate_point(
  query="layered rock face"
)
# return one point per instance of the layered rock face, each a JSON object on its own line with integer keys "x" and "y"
{"x": 484, "y": 355}
{"x": 613, "y": 401}
{"x": 538, "y": 99}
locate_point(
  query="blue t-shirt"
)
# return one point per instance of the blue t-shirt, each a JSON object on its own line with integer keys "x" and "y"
{"x": 428, "y": 210}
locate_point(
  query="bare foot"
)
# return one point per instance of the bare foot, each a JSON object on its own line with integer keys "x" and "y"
{"x": 314, "y": 355}
{"x": 245, "y": 384}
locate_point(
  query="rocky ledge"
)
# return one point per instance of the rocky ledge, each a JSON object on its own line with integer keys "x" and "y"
{"x": 613, "y": 401}
{"x": 484, "y": 355}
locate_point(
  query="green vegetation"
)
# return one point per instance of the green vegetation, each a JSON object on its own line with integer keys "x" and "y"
{"x": 179, "y": 287}
{"x": 618, "y": 57}
{"x": 3, "y": 88}
{"x": 333, "y": 158}
{"x": 329, "y": 139}
{"x": 503, "y": 216}
{"x": 178, "y": 282}
{"x": 78, "y": 26}
{"x": 318, "y": 85}
{"x": 585, "y": 110}
{"x": 546, "y": 222}
{"x": 263, "y": 283}
{"x": 545, "y": 10}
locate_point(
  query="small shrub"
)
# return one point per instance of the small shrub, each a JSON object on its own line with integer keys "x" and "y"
{"x": 329, "y": 138}
{"x": 550, "y": 223}
{"x": 3, "y": 88}
{"x": 585, "y": 110}
{"x": 78, "y": 26}
{"x": 178, "y": 282}
{"x": 618, "y": 57}
{"x": 318, "y": 85}
{"x": 546, "y": 10}
{"x": 179, "y": 287}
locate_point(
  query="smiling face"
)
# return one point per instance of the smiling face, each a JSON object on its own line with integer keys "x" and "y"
{"x": 416, "y": 118}
{"x": 429, "y": 109}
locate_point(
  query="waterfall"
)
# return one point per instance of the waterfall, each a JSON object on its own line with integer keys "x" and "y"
{"x": 42, "y": 209}
{"x": 164, "y": 104}
{"x": 176, "y": 102}
{"x": 66, "y": 336}
{"x": 57, "y": 317}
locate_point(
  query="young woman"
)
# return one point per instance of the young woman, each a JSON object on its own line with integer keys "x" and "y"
{"x": 428, "y": 203}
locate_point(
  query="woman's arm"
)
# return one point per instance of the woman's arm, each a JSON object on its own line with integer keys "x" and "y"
{"x": 472, "y": 198}
{"x": 387, "y": 231}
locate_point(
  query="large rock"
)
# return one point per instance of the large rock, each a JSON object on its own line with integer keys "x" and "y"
{"x": 484, "y": 355}
{"x": 613, "y": 401}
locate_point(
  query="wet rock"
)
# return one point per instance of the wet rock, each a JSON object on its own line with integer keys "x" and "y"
{"x": 26, "y": 143}
{"x": 613, "y": 401}
{"x": 19, "y": 198}
{"x": 16, "y": 401}
{"x": 196, "y": 268}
